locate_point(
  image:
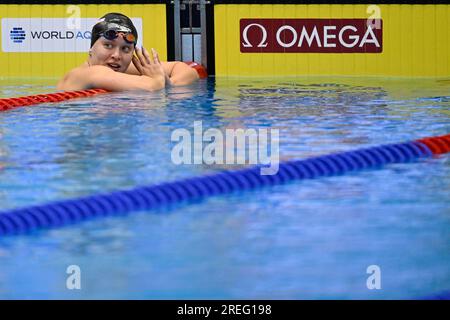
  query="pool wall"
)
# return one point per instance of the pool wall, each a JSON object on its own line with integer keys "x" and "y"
{"x": 244, "y": 38}
{"x": 414, "y": 39}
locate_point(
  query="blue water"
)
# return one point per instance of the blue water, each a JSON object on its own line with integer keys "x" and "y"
{"x": 304, "y": 240}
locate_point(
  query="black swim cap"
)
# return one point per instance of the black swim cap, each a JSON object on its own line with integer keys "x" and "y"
{"x": 116, "y": 20}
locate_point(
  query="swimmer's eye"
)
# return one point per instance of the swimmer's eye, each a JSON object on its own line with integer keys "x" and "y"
{"x": 107, "y": 45}
{"x": 126, "y": 49}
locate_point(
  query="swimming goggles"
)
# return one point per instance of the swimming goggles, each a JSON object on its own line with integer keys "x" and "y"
{"x": 113, "y": 32}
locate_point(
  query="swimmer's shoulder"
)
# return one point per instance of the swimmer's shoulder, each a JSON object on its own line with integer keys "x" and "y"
{"x": 71, "y": 78}
{"x": 79, "y": 77}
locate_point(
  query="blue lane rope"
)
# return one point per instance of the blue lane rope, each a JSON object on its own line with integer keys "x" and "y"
{"x": 445, "y": 295}
{"x": 61, "y": 213}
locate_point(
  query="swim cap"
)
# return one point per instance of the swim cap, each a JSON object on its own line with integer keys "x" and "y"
{"x": 115, "y": 21}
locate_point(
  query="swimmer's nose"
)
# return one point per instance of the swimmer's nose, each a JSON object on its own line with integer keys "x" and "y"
{"x": 116, "y": 54}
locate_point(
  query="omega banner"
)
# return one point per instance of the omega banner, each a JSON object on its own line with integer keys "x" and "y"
{"x": 51, "y": 34}
{"x": 311, "y": 35}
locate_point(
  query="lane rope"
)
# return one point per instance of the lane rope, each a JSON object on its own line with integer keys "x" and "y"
{"x": 11, "y": 103}
{"x": 61, "y": 213}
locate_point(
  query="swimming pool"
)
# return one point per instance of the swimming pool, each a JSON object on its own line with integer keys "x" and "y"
{"x": 303, "y": 240}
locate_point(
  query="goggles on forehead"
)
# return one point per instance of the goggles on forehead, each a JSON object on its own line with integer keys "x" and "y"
{"x": 113, "y": 34}
{"x": 114, "y": 30}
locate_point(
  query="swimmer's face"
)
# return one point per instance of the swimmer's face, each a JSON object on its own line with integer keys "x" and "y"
{"x": 115, "y": 54}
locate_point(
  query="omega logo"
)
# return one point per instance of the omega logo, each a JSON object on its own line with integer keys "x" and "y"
{"x": 310, "y": 35}
{"x": 263, "y": 42}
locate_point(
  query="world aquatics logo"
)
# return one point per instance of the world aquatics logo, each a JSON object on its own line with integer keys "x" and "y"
{"x": 17, "y": 35}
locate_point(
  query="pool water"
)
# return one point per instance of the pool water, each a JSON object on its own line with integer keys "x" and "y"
{"x": 311, "y": 239}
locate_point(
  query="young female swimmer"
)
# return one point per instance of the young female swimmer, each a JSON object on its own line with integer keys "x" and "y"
{"x": 109, "y": 66}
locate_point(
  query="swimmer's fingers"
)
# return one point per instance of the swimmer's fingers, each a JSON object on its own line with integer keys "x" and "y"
{"x": 155, "y": 56}
{"x": 137, "y": 64}
{"x": 140, "y": 57}
{"x": 146, "y": 56}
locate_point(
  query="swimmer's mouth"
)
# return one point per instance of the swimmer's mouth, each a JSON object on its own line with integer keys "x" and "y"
{"x": 115, "y": 67}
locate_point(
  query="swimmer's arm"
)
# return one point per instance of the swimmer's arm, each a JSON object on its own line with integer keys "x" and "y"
{"x": 132, "y": 70}
{"x": 180, "y": 74}
{"x": 177, "y": 72}
{"x": 105, "y": 78}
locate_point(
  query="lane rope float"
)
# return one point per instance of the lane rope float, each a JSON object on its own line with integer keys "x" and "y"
{"x": 11, "y": 103}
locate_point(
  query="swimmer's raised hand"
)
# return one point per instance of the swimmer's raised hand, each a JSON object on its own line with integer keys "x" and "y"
{"x": 149, "y": 66}
{"x": 156, "y": 58}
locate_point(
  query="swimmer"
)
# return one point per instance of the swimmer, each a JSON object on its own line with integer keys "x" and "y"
{"x": 116, "y": 64}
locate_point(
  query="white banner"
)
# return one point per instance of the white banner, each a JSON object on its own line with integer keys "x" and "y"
{"x": 51, "y": 34}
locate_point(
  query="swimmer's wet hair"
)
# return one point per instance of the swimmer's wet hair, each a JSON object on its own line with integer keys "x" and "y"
{"x": 112, "y": 17}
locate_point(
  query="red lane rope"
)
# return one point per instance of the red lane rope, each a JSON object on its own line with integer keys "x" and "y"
{"x": 11, "y": 103}
{"x": 437, "y": 145}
